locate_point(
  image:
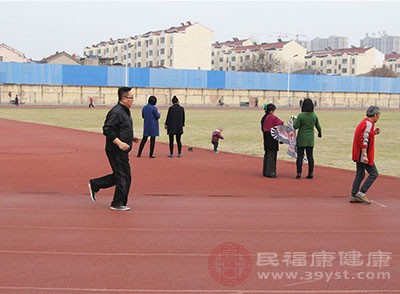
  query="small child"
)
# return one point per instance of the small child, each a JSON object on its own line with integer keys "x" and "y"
{"x": 216, "y": 135}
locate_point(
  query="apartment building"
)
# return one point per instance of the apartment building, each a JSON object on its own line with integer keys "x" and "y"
{"x": 345, "y": 62}
{"x": 392, "y": 61}
{"x": 384, "y": 43}
{"x": 187, "y": 46}
{"x": 332, "y": 42}
{"x": 9, "y": 54}
{"x": 237, "y": 55}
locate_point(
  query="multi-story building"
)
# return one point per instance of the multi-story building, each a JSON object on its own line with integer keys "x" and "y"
{"x": 238, "y": 55}
{"x": 185, "y": 47}
{"x": 392, "y": 61}
{"x": 332, "y": 42}
{"x": 384, "y": 43}
{"x": 9, "y": 54}
{"x": 345, "y": 62}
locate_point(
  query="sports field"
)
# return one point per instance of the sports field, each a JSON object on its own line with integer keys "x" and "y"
{"x": 242, "y": 130}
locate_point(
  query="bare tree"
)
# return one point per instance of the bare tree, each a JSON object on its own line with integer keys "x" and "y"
{"x": 382, "y": 72}
{"x": 262, "y": 61}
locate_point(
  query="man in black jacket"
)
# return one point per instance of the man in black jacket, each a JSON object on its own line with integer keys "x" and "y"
{"x": 174, "y": 124}
{"x": 118, "y": 129}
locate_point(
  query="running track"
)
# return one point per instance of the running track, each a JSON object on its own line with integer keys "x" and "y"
{"x": 54, "y": 239}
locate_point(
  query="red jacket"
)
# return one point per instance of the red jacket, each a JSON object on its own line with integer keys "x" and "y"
{"x": 364, "y": 137}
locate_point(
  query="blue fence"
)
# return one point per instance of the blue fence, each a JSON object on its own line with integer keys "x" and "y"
{"x": 54, "y": 74}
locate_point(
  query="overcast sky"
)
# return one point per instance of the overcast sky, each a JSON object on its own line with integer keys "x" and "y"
{"x": 39, "y": 29}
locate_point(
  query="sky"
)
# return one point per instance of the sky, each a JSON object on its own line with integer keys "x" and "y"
{"x": 41, "y": 28}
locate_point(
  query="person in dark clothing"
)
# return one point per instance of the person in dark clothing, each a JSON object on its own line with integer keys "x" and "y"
{"x": 118, "y": 129}
{"x": 174, "y": 124}
{"x": 151, "y": 116}
{"x": 271, "y": 146}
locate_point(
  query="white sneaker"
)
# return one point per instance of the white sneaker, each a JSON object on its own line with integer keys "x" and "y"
{"x": 121, "y": 208}
{"x": 361, "y": 196}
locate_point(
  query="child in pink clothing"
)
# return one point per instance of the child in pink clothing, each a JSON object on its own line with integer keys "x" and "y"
{"x": 216, "y": 135}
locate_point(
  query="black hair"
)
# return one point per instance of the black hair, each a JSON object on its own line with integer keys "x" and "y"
{"x": 269, "y": 108}
{"x": 308, "y": 105}
{"x": 122, "y": 91}
{"x": 152, "y": 100}
{"x": 175, "y": 100}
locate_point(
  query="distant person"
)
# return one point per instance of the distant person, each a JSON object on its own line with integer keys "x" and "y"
{"x": 10, "y": 95}
{"x": 315, "y": 103}
{"x": 301, "y": 103}
{"x": 305, "y": 123}
{"x": 16, "y": 100}
{"x": 174, "y": 124}
{"x": 91, "y": 104}
{"x": 118, "y": 129}
{"x": 221, "y": 102}
{"x": 271, "y": 146}
{"x": 256, "y": 102}
{"x": 151, "y": 116}
{"x": 363, "y": 155}
{"x": 216, "y": 135}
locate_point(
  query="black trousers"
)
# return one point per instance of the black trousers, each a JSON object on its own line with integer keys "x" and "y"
{"x": 143, "y": 143}
{"x": 360, "y": 175}
{"x": 120, "y": 178}
{"x": 310, "y": 159}
{"x": 178, "y": 142}
{"x": 269, "y": 164}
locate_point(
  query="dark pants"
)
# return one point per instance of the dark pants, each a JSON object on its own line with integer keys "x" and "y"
{"x": 310, "y": 159}
{"x": 269, "y": 165}
{"x": 178, "y": 142}
{"x": 360, "y": 175}
{"x": 143, "y": 142}
{"x": 120, "y": 178}
{"x": 215, "y": 145}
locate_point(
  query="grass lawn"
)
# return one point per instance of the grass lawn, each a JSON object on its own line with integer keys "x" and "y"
{"x": 242, "y": 130}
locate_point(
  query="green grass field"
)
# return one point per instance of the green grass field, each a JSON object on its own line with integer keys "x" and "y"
{"x": 242, "y": 130}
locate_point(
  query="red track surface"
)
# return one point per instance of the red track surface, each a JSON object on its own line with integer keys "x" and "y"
{"x": 54, "y": 239}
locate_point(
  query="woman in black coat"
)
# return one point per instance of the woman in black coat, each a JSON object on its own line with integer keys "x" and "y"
{"x": 174, "y": 124}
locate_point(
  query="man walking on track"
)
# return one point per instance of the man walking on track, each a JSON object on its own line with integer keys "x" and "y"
{"x": 363, "y": 155}
{"x": 118, "y": 129}
{"x": 174, "y": 124}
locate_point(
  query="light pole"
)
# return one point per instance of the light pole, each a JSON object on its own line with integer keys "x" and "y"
{"x": 288, "y": 77}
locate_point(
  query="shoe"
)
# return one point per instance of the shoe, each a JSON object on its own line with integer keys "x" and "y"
{"x": 216, "y": 152}
{"x": 179, "y": 155}
{"x": 92, "y": 193}
{"x": 362, "y": 197}
{"x": 298, "y": 176}
{"x": 121, "y": 208}
{"x": 353, "y": 199}
{"x": 152, "y": 156}
{"x": 271, "y": 176}
{"x": 171, "y": 155}
{"x": 138, "y": 155}
{"x": 309, "y": 176}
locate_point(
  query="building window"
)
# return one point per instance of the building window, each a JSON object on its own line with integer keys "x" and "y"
{"x": 328, "y": 71}
{"x": 212, "y": 62}
{"x": 340, "y": 66}
{"x": 352, "y": 71}
{"x": 212, "y": 53}
{"x": 344, "y": 70}
{"x": 220, "y": 68}
{"x": 344, "y": 61}
{"x": 221, "y": 59}
{"x": 233, "y": 58}
{"x": 170, "y": 62}
{"x": 129, "y": 55}
{"x": 1, "y": 58}
{"x": 313, "y": 62}
{"x": 139, "y": 54}
{"x": 150, "y": 52}
{"x": 139, "y": 64}
{"x": 162, "y": 51}
{"x": 329, "y": 61}
{"x": 353, "y": 61}
{"x": 247, "y": 57}
{"x": 162, "y": 62}
{"x": 150, "y": 63}
{"x": 162, "y": 40}
{"x": 322, "y": 63}
{"x": 233, "y": 68}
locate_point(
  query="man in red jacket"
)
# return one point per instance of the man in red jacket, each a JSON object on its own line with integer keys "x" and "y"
{"x": 363, "y": 155}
